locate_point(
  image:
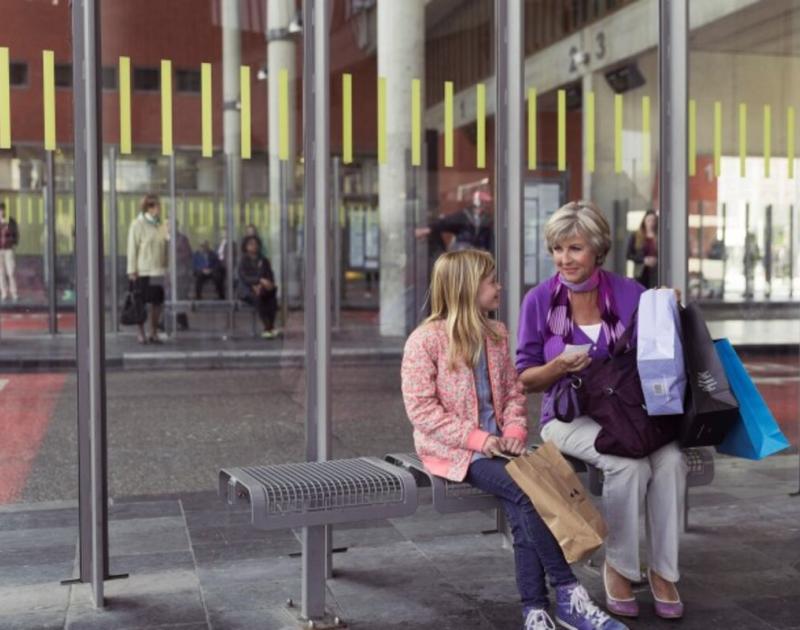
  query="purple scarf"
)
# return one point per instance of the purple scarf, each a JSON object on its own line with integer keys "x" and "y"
{"x": 559, "y": 315}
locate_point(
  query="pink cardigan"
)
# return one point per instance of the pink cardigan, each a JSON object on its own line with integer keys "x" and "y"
{"x": 442, "y": 403}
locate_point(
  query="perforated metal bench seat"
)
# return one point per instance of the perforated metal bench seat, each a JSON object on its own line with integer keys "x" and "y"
{"x": 449, "y": 497}
{"x": 320, "y": 493}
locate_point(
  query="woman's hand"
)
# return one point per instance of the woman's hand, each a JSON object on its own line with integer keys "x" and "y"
{"x": 574, "y": 362}
{"x": 677, "y": 293}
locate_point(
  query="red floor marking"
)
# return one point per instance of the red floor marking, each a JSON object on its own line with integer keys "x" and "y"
{"x": 35, "y": 322}
{"x": 27, "y": 402}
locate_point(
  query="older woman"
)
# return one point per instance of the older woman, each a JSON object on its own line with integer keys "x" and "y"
{"x": 584, "y": 305}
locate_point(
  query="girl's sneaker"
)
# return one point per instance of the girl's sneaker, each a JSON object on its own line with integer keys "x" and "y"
{"x": 538, "y": 619}
{"x": 576, "y": 610}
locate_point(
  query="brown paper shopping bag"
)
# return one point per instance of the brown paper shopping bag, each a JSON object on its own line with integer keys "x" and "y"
{"x": 560, "y": 499}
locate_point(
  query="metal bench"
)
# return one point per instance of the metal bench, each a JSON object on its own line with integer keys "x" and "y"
{"x": 451, "y": 497}
{"x": 307, "y": 494}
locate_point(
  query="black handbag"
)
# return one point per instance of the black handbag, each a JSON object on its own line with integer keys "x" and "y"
{"x": 610, "y": 392}
{"x": 710, "y": 408}
{"x": 133, "y": 311}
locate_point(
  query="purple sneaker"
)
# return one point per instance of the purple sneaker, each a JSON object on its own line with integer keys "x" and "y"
{"x": 538, "y": 619}
{"x": 576, "y": 610}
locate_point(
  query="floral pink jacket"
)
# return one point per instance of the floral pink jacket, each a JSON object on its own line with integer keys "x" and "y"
{"x": 442, "y": 403}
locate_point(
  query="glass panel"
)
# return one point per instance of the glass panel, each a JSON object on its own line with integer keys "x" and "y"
{"x": 214, "y": 379}
{"x": 413, "y": 169}
{"x": 744, "y": 192}
{"x": 38, "y": 458}
{"x": 592, "y": 133}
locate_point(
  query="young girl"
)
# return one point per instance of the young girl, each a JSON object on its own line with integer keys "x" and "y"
{"x": 462, "y": 395}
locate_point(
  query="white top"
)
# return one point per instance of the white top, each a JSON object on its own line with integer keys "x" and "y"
{"x": 592, "y": 331}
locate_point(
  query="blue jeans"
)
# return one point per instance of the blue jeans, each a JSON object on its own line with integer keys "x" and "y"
{"x": 536, "y": 551}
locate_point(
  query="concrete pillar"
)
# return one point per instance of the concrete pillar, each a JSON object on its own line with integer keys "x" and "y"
{"x": 231, "y": 93}
{"x": 401, "y": 58}
{"x": 281, "y": 55}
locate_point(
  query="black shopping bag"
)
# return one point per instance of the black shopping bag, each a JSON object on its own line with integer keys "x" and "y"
{"x": 710, "y": 407}
{"x": 133, "y": 310}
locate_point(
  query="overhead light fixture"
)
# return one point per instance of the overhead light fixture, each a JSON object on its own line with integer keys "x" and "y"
{"x": 296, "y": 25}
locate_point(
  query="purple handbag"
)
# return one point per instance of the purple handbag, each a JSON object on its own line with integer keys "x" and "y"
{"x": 610, "y": 392}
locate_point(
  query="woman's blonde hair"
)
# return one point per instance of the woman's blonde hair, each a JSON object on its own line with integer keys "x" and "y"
{"x": 454, "y": 288}
{"x": 579, "y": 218}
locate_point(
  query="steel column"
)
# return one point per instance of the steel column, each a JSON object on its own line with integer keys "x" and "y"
{"x": 673, "y": 51}
{"x": 316, "y": 150}
{"x": 90, "y": 343}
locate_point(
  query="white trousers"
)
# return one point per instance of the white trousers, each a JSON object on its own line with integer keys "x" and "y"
{"x": 659, "y": 481}
{"x": 7, "y": 267}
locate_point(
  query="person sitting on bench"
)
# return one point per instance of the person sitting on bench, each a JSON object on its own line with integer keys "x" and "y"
{"x": 257, "y": 284}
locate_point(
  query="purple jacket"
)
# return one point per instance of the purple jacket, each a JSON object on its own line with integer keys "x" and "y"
{"x": 531, "y": 349}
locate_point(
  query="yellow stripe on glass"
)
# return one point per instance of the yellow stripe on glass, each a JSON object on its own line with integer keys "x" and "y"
{"x": 416, "y": 122}
{"x": 245, "y": 122}
{"x": 381, "y": 120}
{"x": 49, "y": 95}
{"x": 790, "y": 139}
{"x": 589, "y": 133}
{"x": 692, "y": 138}
{"x": 283, "y": 114}
{"x": 125, "y": 143}
{"x": 5, "y": 100}
{"x": 717, "y": 137}
{"x": 532, "y": 157}
{"x": 618, "y": 133}
{"x": 480, "y": 109}
{"x": 645, "y": 134}
{"x": 207, "y": 119}
{"x": 742, "y": 139}
{"x": 347, "y": 118}
{"x": 448, "y": 124}
{"x": 767, "y": 138}
{"x": 166, "y": 107}
{"x": 562, "y": 130}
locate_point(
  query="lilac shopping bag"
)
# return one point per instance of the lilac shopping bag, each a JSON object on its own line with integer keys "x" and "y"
{"x": 659, "y": 353}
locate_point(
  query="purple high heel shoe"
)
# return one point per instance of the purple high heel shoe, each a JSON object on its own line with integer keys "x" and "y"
{"x": 665, "y": 609}
{"x": 620, "y": 607}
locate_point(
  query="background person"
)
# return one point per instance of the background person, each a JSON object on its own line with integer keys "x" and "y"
{"x": 462, "y": 395}
{"x": 9, "y": 239}
{"x": 147, "y": 262}
{"x": 257, "y": 284}
{"x": 643, "y": 250}
{"x": 585, "y": 304}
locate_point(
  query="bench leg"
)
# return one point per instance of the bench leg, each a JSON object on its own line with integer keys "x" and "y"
{"x": 314, "y": 572}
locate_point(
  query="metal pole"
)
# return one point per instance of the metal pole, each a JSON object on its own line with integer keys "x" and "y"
{"x": 316, "y": 142}
{"x": 113, "y": 245}
{"x": 509, "y": 53}
{"x": 673, "y": 47}
{"x": 768, "y": 251}
{"x": 92, "y": 485}
{"x": 724, "y": 248}
{"x": 173, "y": 248}
{"x": 748, "y": 263}
{"x": 336, "y": 186}
{"x": 229, "y": 249}
{"x": 700, "y": 250}
{"x": 284, "y": 236}
{"x": 791, "y": 251}
{"x": 50, "y": 254}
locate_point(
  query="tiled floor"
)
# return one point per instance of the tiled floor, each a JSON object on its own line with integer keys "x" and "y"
{"x": 195, "y": 564}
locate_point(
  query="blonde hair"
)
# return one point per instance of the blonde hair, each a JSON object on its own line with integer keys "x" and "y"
{"x": 455, "y": 281}
{"x": 579, "y": 218}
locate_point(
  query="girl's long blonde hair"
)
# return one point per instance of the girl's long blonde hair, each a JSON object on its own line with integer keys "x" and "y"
{"x": 455, "y": 282}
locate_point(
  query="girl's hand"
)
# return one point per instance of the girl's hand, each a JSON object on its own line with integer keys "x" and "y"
{"x": 512, "y": 446}
{"x": 492, "y": 446}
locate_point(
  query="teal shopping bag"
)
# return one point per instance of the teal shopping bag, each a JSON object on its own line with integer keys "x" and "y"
{"x": 756, "y": 434}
